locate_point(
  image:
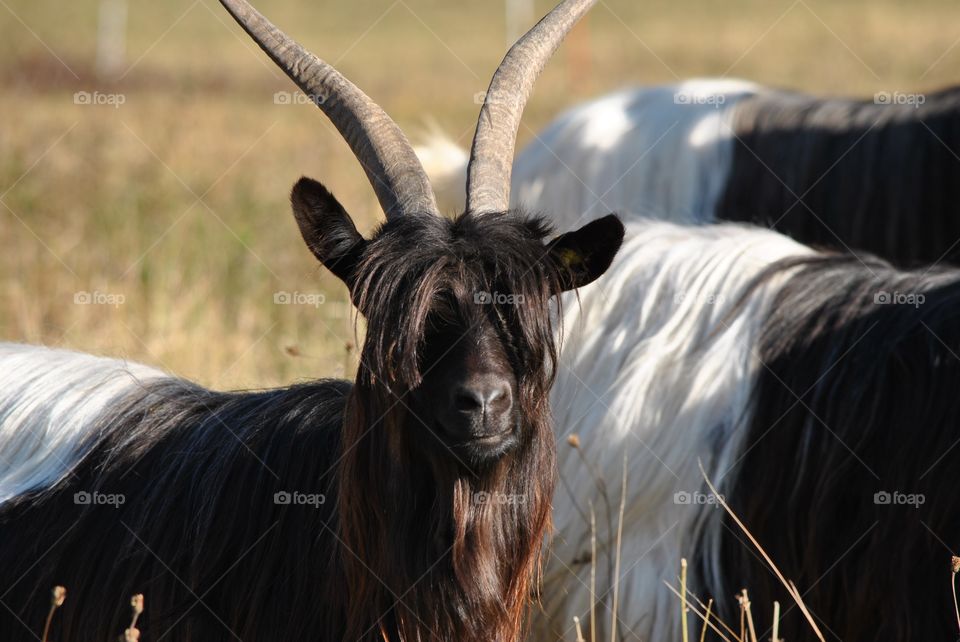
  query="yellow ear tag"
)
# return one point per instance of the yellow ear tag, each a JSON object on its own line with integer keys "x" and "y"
{"x": 572, "y": 259}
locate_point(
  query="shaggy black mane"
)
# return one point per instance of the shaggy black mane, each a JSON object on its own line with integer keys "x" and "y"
{"x": 856, "y": 396}
{"x": 198, "y": 471}
{"x": 881, "y": 178}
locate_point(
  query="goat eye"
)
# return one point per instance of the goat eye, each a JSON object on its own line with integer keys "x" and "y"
{"x": 444, "y": 313}
{"x": 439, "y": 320}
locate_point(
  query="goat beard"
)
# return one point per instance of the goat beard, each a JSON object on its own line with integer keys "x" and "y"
{"x": 430, "y": 550}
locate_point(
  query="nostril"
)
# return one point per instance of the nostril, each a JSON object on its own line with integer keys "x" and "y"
{"x": 480, "y": 407}
{"x": 498, "y": 397}
{"x": 467, "y": 400}
{"x": 484, "y": 397}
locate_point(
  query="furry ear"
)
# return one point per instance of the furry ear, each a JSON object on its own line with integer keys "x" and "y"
{"x": 582, "y": 255}
{"x": 327, "y": 229}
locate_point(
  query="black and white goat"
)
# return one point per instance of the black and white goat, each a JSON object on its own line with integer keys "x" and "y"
{"x": 880, "y": 175}
{"x": 818, "y": 391}
{"x": 323, "y": 511}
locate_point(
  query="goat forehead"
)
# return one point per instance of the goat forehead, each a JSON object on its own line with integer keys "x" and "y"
{"x": 460, "y": 274}
{"x": 467, "y": 245}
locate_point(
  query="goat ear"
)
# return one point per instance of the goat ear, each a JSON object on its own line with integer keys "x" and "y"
{"x": 583, "y": 255}
{"x": 327, "y": 229}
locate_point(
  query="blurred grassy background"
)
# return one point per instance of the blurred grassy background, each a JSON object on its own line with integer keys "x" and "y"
{"x": 176, "y": 200}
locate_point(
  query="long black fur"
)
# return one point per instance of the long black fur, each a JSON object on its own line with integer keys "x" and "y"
{"x": 856, "y": 396}
{"x": 199, "y": 532}
{"x": 850, "y": 174}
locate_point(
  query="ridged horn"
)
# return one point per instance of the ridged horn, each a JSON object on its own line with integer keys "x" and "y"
{"x": 392, "y": 167}
{"x": 491, "y": 158}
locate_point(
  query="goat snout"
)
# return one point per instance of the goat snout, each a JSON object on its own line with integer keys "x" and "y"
{"x": 481, "y": 408}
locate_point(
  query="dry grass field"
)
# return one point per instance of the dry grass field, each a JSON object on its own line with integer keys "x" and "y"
{"x": 170, "y": 210}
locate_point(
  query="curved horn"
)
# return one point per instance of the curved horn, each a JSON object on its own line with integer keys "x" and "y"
{"x": 397, "y": 177}
{"x": 491, "y": 158}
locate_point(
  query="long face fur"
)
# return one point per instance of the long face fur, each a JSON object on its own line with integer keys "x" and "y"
{"x": 449, "y": 302}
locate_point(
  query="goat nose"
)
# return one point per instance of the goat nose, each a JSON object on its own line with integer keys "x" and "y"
{"x": 487, "y": 396}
